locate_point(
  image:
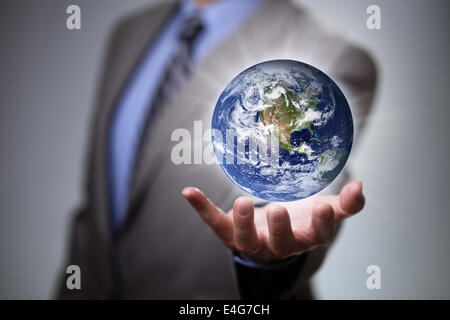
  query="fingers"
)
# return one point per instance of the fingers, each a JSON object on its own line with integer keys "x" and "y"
{"x": 215, "y": 218}
{"x": 281, "y": 237}
{"x": 349, "y": 201}
{"x": 245, "y": 235}
{"x": 322, "y": 224}
{"x": 351, "y": 198}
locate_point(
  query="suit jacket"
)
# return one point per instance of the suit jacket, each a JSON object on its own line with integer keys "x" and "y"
{"x": 164, "y": 250}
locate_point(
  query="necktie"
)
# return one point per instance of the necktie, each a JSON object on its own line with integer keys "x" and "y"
{"x": 177, "y": 70}
{"x": 179, "y": 66}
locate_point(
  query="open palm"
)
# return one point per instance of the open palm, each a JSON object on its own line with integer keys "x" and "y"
{"x": 278, "y": 230}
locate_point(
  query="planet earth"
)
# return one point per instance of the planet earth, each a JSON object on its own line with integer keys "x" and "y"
{"x": 282, "y": 130}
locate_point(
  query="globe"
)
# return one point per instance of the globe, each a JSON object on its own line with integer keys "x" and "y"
{"x": 282, "y": 130}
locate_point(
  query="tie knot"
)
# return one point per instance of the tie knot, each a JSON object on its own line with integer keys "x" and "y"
{"x": 192, "y": 27}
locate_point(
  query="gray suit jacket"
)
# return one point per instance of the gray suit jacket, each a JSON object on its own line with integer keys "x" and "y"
{"x": 164, "y": 250}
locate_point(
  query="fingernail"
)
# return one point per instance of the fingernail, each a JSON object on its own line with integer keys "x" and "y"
{"x": 243, "y": 213}
{"x": 357, "y": 187}
{"x": 242, "y": 209}
{"x": 198, "y": 190}
{"x": 185, "y": 192}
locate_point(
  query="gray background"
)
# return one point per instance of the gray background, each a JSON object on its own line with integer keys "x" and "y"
{"x": 48, "y": 80}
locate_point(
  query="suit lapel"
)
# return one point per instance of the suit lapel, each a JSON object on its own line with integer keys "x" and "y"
{"x": 127, "y": 45}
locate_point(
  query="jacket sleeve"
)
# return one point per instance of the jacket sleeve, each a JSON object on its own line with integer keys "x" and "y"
{"x": 85, "y": 248}
{"x": 86, "y": 251}
{"x": 267, "y": 280}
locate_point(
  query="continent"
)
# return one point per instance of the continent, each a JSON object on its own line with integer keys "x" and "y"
{"x": 289, "y": 111}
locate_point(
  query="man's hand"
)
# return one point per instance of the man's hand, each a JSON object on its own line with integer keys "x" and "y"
{"x": 278, "y": 230}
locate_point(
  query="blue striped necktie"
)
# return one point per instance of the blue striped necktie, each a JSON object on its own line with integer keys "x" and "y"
{"x": 178, "y": 69}
{"x": 179, "y": 65}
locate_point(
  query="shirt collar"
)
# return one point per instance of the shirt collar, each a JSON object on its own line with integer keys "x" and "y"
{"x": 220, "y": 12}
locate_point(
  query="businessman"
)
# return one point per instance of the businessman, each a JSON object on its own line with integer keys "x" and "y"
{"x": 137, "y": 234}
